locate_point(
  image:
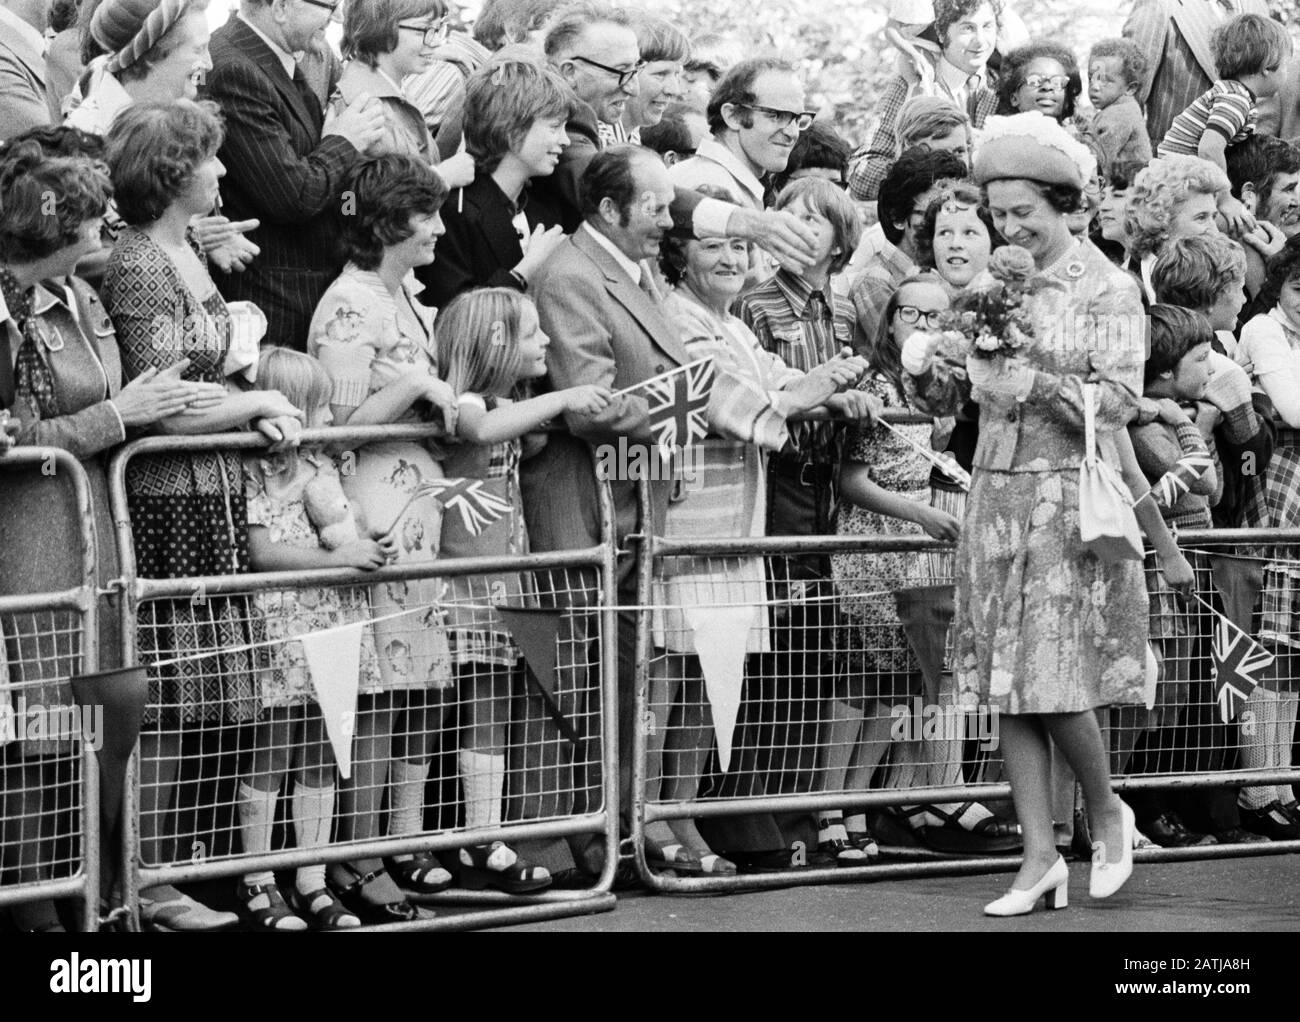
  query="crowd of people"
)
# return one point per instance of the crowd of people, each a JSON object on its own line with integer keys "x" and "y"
{"x": 501, "y": 234}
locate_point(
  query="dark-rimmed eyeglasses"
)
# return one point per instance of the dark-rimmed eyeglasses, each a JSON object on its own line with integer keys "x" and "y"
{"x": 624, "y": 76}
{"x": 911, "y": 315}
{"x": 434, "y": 35}
{"x": 783, "y": 118}
{"x": 329, "y": 5}
{"x": 1054, "y": 82}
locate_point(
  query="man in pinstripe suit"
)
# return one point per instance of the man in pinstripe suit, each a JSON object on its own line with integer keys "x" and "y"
{"x": 284, "y": 165}
{"x": 1175, "y": 37}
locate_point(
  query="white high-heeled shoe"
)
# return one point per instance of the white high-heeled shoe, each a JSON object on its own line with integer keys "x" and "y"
{"x": 1109, "y": 877}
{"x": 1054, "y": 888}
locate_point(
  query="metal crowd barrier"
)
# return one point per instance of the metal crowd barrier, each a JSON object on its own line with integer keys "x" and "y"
{"x": 554, "y": 787}
{"x": 49, "y": 787}
{"x": 828, "y": 720}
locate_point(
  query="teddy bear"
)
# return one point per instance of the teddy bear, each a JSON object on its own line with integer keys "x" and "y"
{"x": 329, "y": 512}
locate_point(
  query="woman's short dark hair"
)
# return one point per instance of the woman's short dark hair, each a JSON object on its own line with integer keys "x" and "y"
{"x": 58, "y": 140}
{"x": 502, "y": 101}
{"x": 385, "y": 193}
{"x": 29, "y": 179}
{"x": 1121, "y": 174}
{"x": 963, "y": 194}
{"x": 370, "y": 26}
{"x": 1174, "y": 332}
{"x": 913, "y": 174}
{"x": 672, "y": 250}
{"x": 948, "y": 12}
{"x": 1013, "y": 73}
{"x": 1062, "y": 198}
{"x": 737, "y": 88}
{"x": 154, "y": 149}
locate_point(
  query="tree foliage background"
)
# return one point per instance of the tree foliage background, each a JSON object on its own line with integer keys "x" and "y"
{"x": 841, "y": 45}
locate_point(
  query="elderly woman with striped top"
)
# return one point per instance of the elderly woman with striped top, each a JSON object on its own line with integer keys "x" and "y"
{"x": 724, "y": 494}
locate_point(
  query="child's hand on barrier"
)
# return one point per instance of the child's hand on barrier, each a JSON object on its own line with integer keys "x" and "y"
{"x": 1178, "y": 575}
{"x": 365, "y": 554}
{"x": 388, "y": 544}
{"x": 587, "y": 399}
{"x": 938, "y": 524}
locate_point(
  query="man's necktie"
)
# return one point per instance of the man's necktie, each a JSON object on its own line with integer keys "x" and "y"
{"x": 307, "y": 93}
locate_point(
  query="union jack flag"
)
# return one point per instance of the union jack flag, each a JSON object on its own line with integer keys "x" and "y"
{"x": 1237, "y": 657}
{"x": 679, "y": 404}
{"x": 477, "y": 508}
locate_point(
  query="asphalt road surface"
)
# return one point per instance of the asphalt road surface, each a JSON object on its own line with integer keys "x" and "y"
{"x": 1228, "y": 895}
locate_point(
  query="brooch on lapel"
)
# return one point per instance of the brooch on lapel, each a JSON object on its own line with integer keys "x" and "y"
{"x": 789, "y": 335}
{"x": 1075, "y": 269}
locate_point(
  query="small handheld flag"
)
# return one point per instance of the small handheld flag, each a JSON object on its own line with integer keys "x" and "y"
{"x": 477, "y": 508}
{"x": 679, "y": 405}
{"x": 1237, "y": 659}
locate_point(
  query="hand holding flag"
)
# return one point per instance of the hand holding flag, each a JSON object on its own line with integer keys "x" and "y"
{"x": 1237, "y": 658}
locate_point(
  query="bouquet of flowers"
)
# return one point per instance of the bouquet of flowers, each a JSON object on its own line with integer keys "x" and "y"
{"x": 991, "y": 321}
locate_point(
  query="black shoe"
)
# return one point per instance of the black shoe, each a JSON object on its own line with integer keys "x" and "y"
{"x": 1239, "y": 836}
{"x": 776, "y": 861}
{"x": 1273, "y": 821}
{"x": 1168, "y": 831}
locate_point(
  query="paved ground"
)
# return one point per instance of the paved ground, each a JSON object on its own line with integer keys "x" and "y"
{"x": 1232, "y": 895}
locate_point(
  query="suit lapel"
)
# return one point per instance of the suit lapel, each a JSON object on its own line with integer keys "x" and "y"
{"x": 264, "y": 57}
{"x": 651, "y": 317}
{"x": 1196, "y": 24}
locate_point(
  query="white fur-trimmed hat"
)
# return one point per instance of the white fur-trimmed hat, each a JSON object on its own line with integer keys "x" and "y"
{"x": 1035, "y": 147}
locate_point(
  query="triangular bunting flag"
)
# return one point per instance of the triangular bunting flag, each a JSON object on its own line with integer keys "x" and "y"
{"x": 1239, "y": 581}
{"x": 334, "y": 660}
{"x": 721, "y": 639}
{"x": 1236, "y": 658}
{"x": 925, "y": 613}
{"x": 535, "y": 632}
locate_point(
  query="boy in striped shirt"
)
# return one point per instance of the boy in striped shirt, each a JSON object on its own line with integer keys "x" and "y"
{"x": 1248, "y": 53}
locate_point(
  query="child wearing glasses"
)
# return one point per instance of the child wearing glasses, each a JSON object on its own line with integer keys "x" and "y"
{"x": 1248, "y": 54}
{"x": 1117, "y": 131}
{"x": 385, "y": 41}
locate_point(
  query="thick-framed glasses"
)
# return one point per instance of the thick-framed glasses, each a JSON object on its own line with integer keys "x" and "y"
{"x": 330, "y": 5}
{"x": 1054, "y": 82}
{"x": 624, "y": 75}
{"x": 434, "y": 35}
{"x": 782, "y": 118}
{"x": 911, "y": 315}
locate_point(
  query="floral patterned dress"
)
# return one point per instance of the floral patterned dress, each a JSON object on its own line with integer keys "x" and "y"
{"x": 366, "y": 338}
{"x": 187, "y": 510}
{"x": 872, "y": 653}
{"x": 276, "y": 504}
{"x": 1042, "y": 626}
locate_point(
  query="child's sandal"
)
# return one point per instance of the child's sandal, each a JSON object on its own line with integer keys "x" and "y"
{"x": 326, "y": 911}
{"x": 370, "y": 912}
{"x": 419, "y": 875}
{"x": 496, "y": 865}
{"x": 275, "y": 914}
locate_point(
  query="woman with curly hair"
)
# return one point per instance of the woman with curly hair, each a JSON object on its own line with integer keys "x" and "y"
{"x": 1173, "y": 197}
{"x": 187, "y": 510}
{"x": 1041, "y": 75}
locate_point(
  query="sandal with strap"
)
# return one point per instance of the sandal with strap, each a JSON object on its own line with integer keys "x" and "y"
{"x": 970, "y": 828}
{"x": 496, "y": 865}
{"x": 275, "y": 914}
{"x": 352, "y": 895}
{"x": 419, "y": 875}
{"x": 833, "y": 839}
{"x": 326, "y": 911}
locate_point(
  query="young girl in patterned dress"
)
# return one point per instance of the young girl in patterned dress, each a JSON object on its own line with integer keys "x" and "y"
{"x": 492, "y": 345}
{"x": 289, "y": 729}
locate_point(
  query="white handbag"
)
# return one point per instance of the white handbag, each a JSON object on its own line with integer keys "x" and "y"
{"x": 1107, "y": 525}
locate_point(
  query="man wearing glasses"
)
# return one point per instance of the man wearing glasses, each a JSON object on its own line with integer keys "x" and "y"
{"x": 595, "y": 50}
{"x": 284, "y": 165}
{"x": 755, "y": 116}
{"x": 915, "y": 180}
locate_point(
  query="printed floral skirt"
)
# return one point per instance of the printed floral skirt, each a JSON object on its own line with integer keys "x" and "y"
{"x": 1042, "y": 626}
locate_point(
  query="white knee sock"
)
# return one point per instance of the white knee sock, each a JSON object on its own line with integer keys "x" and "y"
{"x": 256, "y": 818}
{"x": 313, "y": 813}
{"x": 406, "y": 798}
{"x": 482, "y": 779}
{"x": 1259, "y": 746}
{"x": 1284, "y": 735}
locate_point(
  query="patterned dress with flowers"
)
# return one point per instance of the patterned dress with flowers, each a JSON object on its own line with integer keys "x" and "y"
{"x": 1043, "y": 626}
{"x": 367, "y": 337}
{"x": 278, "y": 507}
